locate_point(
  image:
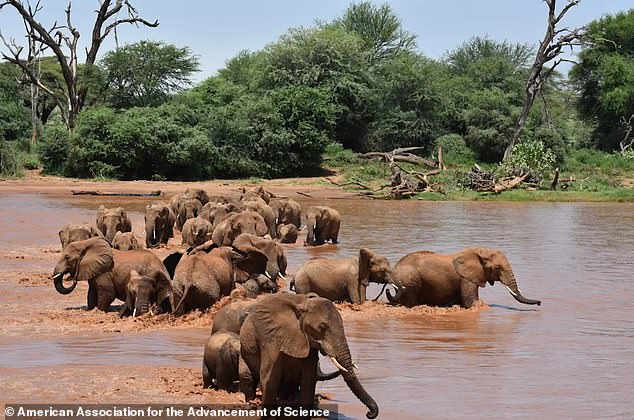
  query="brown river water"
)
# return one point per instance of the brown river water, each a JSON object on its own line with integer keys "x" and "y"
{"x": 572, "y": 357}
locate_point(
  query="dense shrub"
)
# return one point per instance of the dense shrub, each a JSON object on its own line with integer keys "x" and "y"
{"x": 530, "y": 157}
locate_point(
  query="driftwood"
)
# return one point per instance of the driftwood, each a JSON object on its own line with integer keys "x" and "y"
{"x": 482, "y": 181}
{"x": 399, "y": 155}
{"x": 156, "y": 193}
{"x": 304, "y": 194}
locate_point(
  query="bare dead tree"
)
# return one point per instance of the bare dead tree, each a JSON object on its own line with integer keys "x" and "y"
{"x": 548, "y": 52}
{"x": 628, "y": 139}
{"x": 62, "y": 40}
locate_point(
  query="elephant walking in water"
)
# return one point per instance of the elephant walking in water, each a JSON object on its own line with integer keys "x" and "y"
{"x": 111, "y": 221}
{"x": 453, "y": 279}
{"x": 323, "y": 225}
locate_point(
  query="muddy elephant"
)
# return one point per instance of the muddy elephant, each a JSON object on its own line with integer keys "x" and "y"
{"x": 276, "y": 259}
{"x": 220, "y": 361}
{"x": 254, "y": 287}
{"x": 209, "y": 272}
{"x": 185, "y": 207}
{"x": 279, "y": 344}
{"x": 345, "y": 279}
{"x": 287, "y": 211}
{"x": 143, "y": 290}
{"x": 199, "y": 194}
{"x": 159, "y": 224}
{"x": 217, "y": 212}
{"x": 72, "y": 233}
{"x": 125, "y": 241}
{"x": 244, "y": 222}
{"x": 453, "y": 279}
{"x": 107, "y": 271}
{"x": 287, "y": 234}
{"x": 323, "y": 225}
{"x": 111, "y": 221}
{"x": 259, "y": 191}
{"x": 231, "y": 316}
{"x": 265, "y": 211}
{"x": 196, "y": 231}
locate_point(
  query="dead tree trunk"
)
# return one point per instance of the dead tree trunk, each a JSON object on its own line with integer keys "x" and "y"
{"x": 627, "y": 142}
{"x": 549, "y": 50}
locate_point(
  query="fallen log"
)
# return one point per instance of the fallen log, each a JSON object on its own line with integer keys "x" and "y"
{"x": 156, "y": 193}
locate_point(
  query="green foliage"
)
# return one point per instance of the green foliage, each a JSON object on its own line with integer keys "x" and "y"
{"x": 14, "y": 116}
{"x": 455, "y": 149}
{"x": 11, "y": 160}
{"x": 605, "y": 77}
{"x": 146, "y": 73}
{"x": 530, "y": 157}
{"x": 478, "y": 49}
{"x": 335, "y": 155}
{"x": 54, "y": 149}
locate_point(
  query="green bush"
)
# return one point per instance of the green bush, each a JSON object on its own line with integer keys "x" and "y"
{"x": 455, "y": 149}
{"x": 336, "y": 156}
{"x": 31, "y": 161}
{"x": 11, "y": 160}
{"x": 54, "y": 149}
{"x": 531, "y": 157}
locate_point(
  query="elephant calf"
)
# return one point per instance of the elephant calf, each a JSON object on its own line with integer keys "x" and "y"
{"x": 220, "y": 361}
{"x": 322, "y": 223}
{"x": 72, "y": 233}
{"x": 111, "y": 221}
{"x": 287, "y": 234}
{"x": 125, "y": 241}
{"x": 196, "y": 231}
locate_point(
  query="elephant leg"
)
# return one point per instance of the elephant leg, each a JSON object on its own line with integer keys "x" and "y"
{"x": 92, "y": 296}
{"x": 207, "y": 379}
{"x": 248, "y": 382}
{"x": 362, "y": 293}
{"x": 270, "y": 376}
{"x": 468, "y": 293}
{"x": 309, "y": 381}
{"x": 225, "y": 375}
{"x": 353, "y": 293}
{"x": 106, "y": 293}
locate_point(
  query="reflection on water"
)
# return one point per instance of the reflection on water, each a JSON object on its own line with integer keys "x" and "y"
{"x": 572, "y": 357}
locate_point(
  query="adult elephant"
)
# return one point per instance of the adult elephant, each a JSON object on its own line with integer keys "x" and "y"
{"x": 72, "y": 233}
{"x": 111, "y": 221}
{"x": 209, "y": 272}
{"x": 287, "y": 211}
{"x": 199, "y": 194}
{"x": 244, "y": 222}
{"x": 220, "y": 361}
{"x": 217, "y": 212}
{"x": 453, "y": 279}
{"x": 196, "y": 231}
{"x": 323, "y": 225}
{"x": 259, "y": 191}
{"x": 125, "y": 241}
{"x": 108, "y": 271}
{"x": 279, "y": 344}
{"x": 345, "y": 279}
{"x": 264, "y": 210}
{"x": 276, "y": 259}
{"x": 159, "y": 224}
{"x": 185, "y": 207}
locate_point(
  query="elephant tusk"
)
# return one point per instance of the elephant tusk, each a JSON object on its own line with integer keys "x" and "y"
{"x": 315, "y": 226}
{"x": 268, "y": 276}
{"x": 134, "y": 312}
{"x": 510, "y": 291}
{"x": 56, "y": 276}
{"x": 281, "y": 276}
{"x": 336, "y": 363}
{"x": 355, "y": 365}
{"x": 154, "y": 234}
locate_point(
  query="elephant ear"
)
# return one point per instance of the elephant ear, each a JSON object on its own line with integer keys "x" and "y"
{"x": 365, "y": 260}
{"x": 164, "y": 295}
{"x": 64, "y": 236}
{"x": 278, "y": 318}
{"x": 96, "y": 258}
{"x": 95, "y": 233}
{"x": 171, "y": 261}
{"x": 249, "y": 259}
{"x": 469, "y": 265}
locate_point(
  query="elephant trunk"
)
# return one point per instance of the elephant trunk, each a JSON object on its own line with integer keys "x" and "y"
{"x": 511, "y": 285}
{"x": 345, "y": 360}
{"x": 398, "y": 285}
{"x": 311, "y": 225}
{"x": 58, "y": 281}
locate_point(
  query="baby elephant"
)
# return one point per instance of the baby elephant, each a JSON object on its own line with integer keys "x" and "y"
{"x": 125, "y": 241}
{"x": 196, "y": 231}
{"x": 220, "y": 361}
{"x": 287, "y": 234}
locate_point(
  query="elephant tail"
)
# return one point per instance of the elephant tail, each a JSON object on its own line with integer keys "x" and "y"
{"x": 180, "y": 309}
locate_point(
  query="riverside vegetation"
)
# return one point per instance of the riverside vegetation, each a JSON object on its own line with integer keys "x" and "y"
{"x": 306, "y": 103}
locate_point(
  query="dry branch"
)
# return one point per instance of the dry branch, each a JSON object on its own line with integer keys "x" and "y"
{"x": 156, "y": 193}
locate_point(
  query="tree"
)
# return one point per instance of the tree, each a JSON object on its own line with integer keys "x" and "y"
{"x": 62, "y": 41}
{"x": 379, "y": 28}
{"x": 549, "y": 50}
{"x": 605, "y": 78}
{"x": 146, "y": 73}
{"x": 462, "y": 59}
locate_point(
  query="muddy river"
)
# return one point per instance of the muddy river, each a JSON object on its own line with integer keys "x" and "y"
{"x": 573, "y": 357}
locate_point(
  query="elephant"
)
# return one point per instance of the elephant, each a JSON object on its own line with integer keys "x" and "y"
{"x": 196, "y": 231}
{"x": 287, "y": 234}
{"x": 276, "y": 260}
{"x": 253, "y": 287}
{"x": 244, "y": 222}
{"x": 199, "y": 194}
{"x": 453, "y": 279}
{"x": 279, "y": 344}
{"x": 323, "y": 225}
{"x": 264, "y": 210}
{"x": 287, "y": 211}
{"x": 125, "y": 241}
{"x": 217, "y": 212}
{"x": 109, "y": 221}
{"x": 209, "y": 272}
{"x": 107, "y": 270}
{"x": 345, "y": 279}
{"x": 220, "y": 361}
{"x": 231, "y": 316}
{"x": 144, "y": 290}
{"x": 159, "y": 224}
{"x": 71, "y": 233}
{"x": 258, "y": 191}
{"x": 185, "y": 207}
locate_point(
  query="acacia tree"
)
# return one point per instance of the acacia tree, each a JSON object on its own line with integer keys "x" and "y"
{"x": 549, "y": 51}
{"x": 62, "y": 40}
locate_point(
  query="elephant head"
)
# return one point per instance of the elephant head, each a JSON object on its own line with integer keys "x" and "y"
{"x": 295, "y": 324}
{"x": 187, "y": 208}
{"x": 322, "y": 223}
{"x": 196, "y": 231}
{"x": 144, "y": 290}
{"x": 258, "y": 191}
{"x": 287, "y": 234}
{"x": 482, "y": 265}
{"x": 244, "y": 222}
{"x": 159, "y": 224}
{"x": 199, "y": 194}
{"x": 72, "y": 233}
{"x": 376, "y": 268}
{"x": 109, "y": 221}
{"x": 82, "y": 260}
{"x": 217, "y": 212}
{"x": 276, "y": 260}
{"x": 287, "y": 211}
{"x": 125, "y": 241}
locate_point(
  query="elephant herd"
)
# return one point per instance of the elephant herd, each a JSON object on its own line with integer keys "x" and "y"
{"x": 271, "y": 342}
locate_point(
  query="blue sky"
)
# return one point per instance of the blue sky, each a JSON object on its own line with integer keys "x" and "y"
{"x": 216, "y": 30}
